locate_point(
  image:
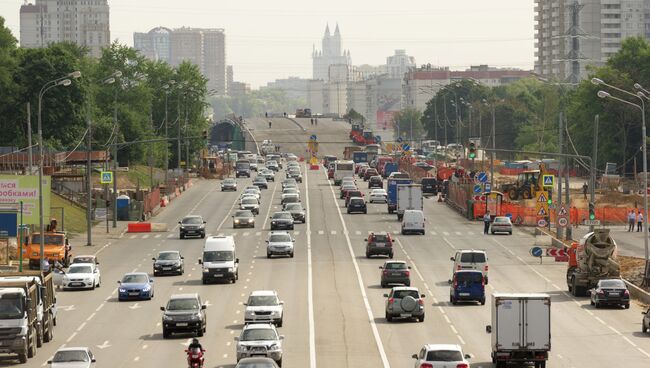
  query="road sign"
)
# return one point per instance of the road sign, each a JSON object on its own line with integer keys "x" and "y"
{"x": 399, "y": 139}
{"x": 536, "y": 251}
{"x": 479, "y": 198}
{"x": 562, "y": 222}
{"x": 562, "y": 212}
{"x": 482, "y": 177}
{"x": 541, "y": 223}
{"x": 592, "y": 222}
{"x": 106, "y": 177}
{"x": 488, "y": 188}
{"x": 542, "y": 212}
{"x": 519, "y": 220}
{"x": 549, "y": 180}
{"x": 477, "y": 188}
{"x": 377, "y": 138}
{"x": 312, "y": 137}
{"x": 406, "y": 147}
{"x": 542, "y": 197}
{"x": 313, "y": 160}
{"x": 555, "y": 252}
{"x": 388, "y": 147}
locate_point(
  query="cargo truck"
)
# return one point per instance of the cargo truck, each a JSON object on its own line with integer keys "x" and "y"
{"x": 389, "y": 168}
{"x": 409, "y": 197}
{"x": 18, "y": 319}
{"x": 520, "y": 329}
{"x": 391, "y": 200}
{"x": 359, "y": 157}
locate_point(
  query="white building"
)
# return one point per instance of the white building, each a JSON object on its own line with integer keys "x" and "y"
{"x": 398, "y": 64}
{"x": 330, "y": 54}
{"x": 84, "y": 22}
{"x": 155, "y": 44}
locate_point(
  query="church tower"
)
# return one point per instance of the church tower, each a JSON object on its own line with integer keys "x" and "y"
{"x": 331, "y": 54}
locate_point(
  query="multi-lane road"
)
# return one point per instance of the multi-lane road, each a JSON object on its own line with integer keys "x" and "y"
{"x": 334, "y": 306}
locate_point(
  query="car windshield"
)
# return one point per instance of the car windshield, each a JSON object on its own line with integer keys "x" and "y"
{"x": 354, "y": 193}
{"x": 70, "y": 356}
{"x": 612, "y": 284}
{"x": 80, "y": 269}
{"x": 395, "y": 266}
{"x": 48, "y": 239}
{"x": 183, "y": 304}
{"x": 502, "y": 220}
{"x": 260, "y": 180}
{"x": 444, "y": 356}
{"x": 243, "y": 214}
{"x": 469, "y": 277}
{"x": 218, "y": 256}
{"x": 252, "y": 192}
{"x": 275, "y": 238}
{"x": 249, "y": 201}
{"x": 356, "y": 201}
{"x": 401, "y": 294}
{"x": 169, "y": 256}
{"x": 229, "y": 181}
{"x": 472, "y": 257}
{"x": 282, "y": 215}
{"x": 258, "y": 334}
{"x": 262, "y": 300}
{"x": 135, "y": 279}
{"x": 192, "y": 220}
{"x": 378, "y": 192}
{"x": 294, "y": 207}
{"x": 83, "y": 260}
{"x": 290, "y": 190}
{"x": 11, "y": 306}
{"x": 380, "y": 238}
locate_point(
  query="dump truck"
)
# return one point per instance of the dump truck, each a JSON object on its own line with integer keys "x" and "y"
{"x": 57, "y": 249}
{"x": 45, "y": 303}
{"x": 303, "y": 113}
{"x": 592, "y": 259}
{"x": 409, "y": 197}
{"x": 520, "y": 329}
{"x": 19, "y": 319}
{"x": 527, "y": 185}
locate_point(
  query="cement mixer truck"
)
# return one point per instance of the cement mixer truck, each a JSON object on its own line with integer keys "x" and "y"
{"x": 590, "y": 260}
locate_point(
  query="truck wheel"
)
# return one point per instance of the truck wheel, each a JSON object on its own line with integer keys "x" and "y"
{"x": 31, "y": 349}
{"x": 22, "y": 358}
{"x": 512, "y": 193}
{"x": 39, "y": 336}
{"x": 574, "y": 287}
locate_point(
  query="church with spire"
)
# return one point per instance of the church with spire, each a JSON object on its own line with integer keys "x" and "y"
{"x": 330, "y": 54}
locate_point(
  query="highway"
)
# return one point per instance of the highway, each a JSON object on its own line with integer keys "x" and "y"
{"x": 334, "y": 306}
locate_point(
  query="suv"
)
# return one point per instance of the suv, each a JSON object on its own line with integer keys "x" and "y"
{"x": 441, "y": 355}
{"x": 375, "y": 182}
{"x": 357, "y": 204}
{"x": 279, "y": 243}
{"x": 379, "y": 243}
{"x": 429, "y": 186}
{"x": 352, "y": 193}
{"x": 264, "y": 306}
{"x": 471, "y": 259}
{"x": 260, "y": 340}
{"x": 645, "y": 323}
{"x": 404, "y": 302}
{"x": 184, "y": 313}
{"x": 395, "y": 272}
{"x": 192, "y": 225}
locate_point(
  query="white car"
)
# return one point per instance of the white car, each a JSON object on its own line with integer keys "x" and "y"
{"x": 260, "y": 340}
{"x": 378, "y": 196}
{"x": 441, "y": 356}
{"x": 471, "y": 259}
{"x": 264, "y": 306}
{"x": 72, "y": 358}
{"x": 253, "y": 188}
{"x": 279, "y": 243}
{"x": 413, "y": 222}
{"x": 250, "y": 193}
{"x": 82, "y": 276}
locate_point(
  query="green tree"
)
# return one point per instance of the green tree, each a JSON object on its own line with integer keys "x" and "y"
{"x": 9, "y": 89}
{"x": 408, "y": 124}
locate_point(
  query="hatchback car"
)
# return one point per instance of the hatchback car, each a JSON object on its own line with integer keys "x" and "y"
{"x": 229, "y": 184}
{"x": 357, "y": 204}
{"x": 471, "y": 259}
{"x": 135, "y": 286}
{"x": 260, "y": 340}
{"x": 79, "y": 357}
{"x": 257, "y": 362}
{"x": 395, "y": 272}
{"x": 168, "y": 262}
{"x": 251, "y": 193}
{"x": 352, "y": 193}
{"x": 375, "y": 182}
{"x": 192, "y": 226}
{"x": 368, "y": 173}
{"x": 297, "y": 212}
{"x": 380, "y": 243}
{"x": 82, "y": 276}
{"x": 290, "y": 189}
{"x": 279, "y": 243}
{"x": 243, "y": 218}
{"x": 184, "y": 313}
{"x": 295, "y": 174}
{"x": 250, "y": 204}
{"x": 261, "y": 182}
{"x": 267, "y": 174}
{"x": 501, "y": 224}
{"x": 404, "y": 302}
{"x": 345, "y": 188}
{"x": 264, "y": 306}
{"x": 468, "y": 285}
{"x": 610, "y": 292}
{"x": 282, "y": 220}
{"x": 288, "y": 181}
{"x": 378, "y": 196}
{"x": 441, "y": 356}
{"x": 273, "y": 165}
{"x": 253, "y": 188}
{"x": 85, "y": 259}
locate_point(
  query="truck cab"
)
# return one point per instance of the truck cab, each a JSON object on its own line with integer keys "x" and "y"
{"x": 18, "y": 320}
{"x": 57, "y": 249}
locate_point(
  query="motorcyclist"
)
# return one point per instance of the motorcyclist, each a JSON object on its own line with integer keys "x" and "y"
{"x": 195, "y": 344}
{"x": 198, "y": 360}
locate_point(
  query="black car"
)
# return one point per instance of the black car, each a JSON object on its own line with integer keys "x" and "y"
{"x": 429, "y": 186}
{"x": 260, "y": 182}
{"x": 168, "y": 262}
{"x": 375, "y": 182}
{"x": 184, "y": 313}
{"x": 192, "y": 226}
{"x": 297, "y": 212}
{"x": 282, "y": 221}
{"x": 610, "y": 292}
{"x": 395, "y": 272}
{"x": 357, "y": 204}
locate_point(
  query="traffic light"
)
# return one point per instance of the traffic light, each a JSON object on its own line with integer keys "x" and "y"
{"x": 592, "y": 211}
{"x": 472, "y": 150}
{"x": 205, "y": 134}
{"x": 549, "y": 201}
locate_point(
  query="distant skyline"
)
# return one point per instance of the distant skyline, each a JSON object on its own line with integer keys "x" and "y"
{"x": 270, "y": 40}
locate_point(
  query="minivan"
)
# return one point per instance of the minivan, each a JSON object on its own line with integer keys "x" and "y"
{"x": 467, "y": 285}
{"x": 429, "y": 186}
{"x": 219, "y": 259}
{"x": 413, "y": 222}
{"x": 471, "y": 259}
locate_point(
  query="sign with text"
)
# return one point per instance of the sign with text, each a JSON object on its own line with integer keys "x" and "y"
{"x": 16, "y": 188}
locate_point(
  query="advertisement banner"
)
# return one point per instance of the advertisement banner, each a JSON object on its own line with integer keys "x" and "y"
{"x": 16, "y": 188}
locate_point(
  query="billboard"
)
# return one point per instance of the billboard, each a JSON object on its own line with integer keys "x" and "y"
{"x": 16, "y": 188}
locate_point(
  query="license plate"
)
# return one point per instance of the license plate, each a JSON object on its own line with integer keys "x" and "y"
{"x": 218, "y": 275}
{"x": 182, "y": 324}
{"x": 167, "y": 268}
{"x": 405, "y": 315}
{"x": 463, "y": 294}
{"x": 134, "y": 294}
{"x": 614, "y": 294}
{"x": 380, "y": 245}
{"x": 76, "y": 284}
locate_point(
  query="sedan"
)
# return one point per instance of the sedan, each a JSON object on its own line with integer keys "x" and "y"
{"x": 82, "y": 276}
{"x": 345, "y": 188}
{"x": 168, "y": 262}
{"x": 229, "y": 184}
{"x": 357, "y": 204}
{"x": 297, "y": 212}
{"x": 136, "y": 285}
{"x": 250, "y": 204}
{"x": 501, "y": 224}
{"x": 610, "y": 292}
{"x": 281, "y": 220}
{"x": 257, "y": 362}
{"x": 261, "y": 182}
{"x": 378, "y": 196}
{"x": 288, "y": 181}
{"x": 80, "y": 357}
{"x": 243, "y": 218}
{"x": 268, "y": 174}
{"x": 290, "y": 198}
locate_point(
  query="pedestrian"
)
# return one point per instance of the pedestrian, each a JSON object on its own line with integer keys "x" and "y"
{"x": 316, "y": 121}
{"x": 574, "y": 216}
{"x": 639, "y": 221}
{"x": 630, "y": 221}
{"x": 312, "y": 121}
{"x": 266, "y": 115}
{"x": 584, "y": 190}
{"x": 486, "y": 222}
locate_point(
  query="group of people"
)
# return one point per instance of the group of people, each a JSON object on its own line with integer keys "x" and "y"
{"x": 314, "y": 121}
{"x": 635, "y": 217}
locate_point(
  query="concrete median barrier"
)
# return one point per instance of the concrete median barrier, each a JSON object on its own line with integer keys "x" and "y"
{"x": 158, "y": 227}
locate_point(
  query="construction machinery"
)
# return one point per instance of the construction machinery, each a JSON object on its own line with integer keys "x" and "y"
{"x": 590, "y": 260}
{"x": 527, "y": 185}
{"x": 57, "y": 249}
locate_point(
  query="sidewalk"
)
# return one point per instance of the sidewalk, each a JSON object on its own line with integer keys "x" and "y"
{"x": 629, "y": 244}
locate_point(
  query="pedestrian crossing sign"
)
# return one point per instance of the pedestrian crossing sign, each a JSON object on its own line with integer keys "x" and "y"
{"x": 549, "y": 180}
{"x": 106, "y": 177}
{"x": 562, "y": 212}
{"x": 542, "y": 212}
{"x": 543, "y": 197}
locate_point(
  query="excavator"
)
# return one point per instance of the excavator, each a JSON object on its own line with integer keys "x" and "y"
{"x": 527, "y": 185}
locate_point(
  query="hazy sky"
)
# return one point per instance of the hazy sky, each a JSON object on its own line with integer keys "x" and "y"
{"x": 273, "y": 39}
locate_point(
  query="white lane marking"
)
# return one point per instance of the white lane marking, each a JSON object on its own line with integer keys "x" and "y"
{"x": 81, "y": 326}
{"x": 296, "y": 233}
{"x": 169, "y": 237}
{"x": 357, "y": 232}
{"x": 157, "y": 236}
{"x": 321, "y": 232}
{"x": 459, "y": 233}
{"x": 460, "y": 339}
{"x": 145, "y": 346}
{"x": 132, "y": 236}
{"x": 371, "y": 318}
{"x": 449, "y": 243}
{"x": 91, "y": 316}
{"x": 445, "y": 233}
{"x": 470, "y": 233}
{"x": 447, "y": 319}
{"x": 145, "y": 236}
{"x": 268, "y": 212}
{"x": 136, "y": 359}
{"x": 259, "y": 233}
{"x": 454, "y": 329}
{"x": 433, "y": 233}
{"x": 246, "y": 233}
{"x": 643, "y": 352}
{"x": 100, "y": 307}
{"x": 333, "y": 232}
{"x": 71, "y": 337}
{"x": 629, "y": 341}
{"x": 310, "y": 280}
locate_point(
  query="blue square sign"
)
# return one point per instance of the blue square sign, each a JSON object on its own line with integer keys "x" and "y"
{"x": 106, "y": 177}
{"x": 549, "y": 180}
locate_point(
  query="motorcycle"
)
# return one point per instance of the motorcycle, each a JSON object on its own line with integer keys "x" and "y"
{"x": 195, "y": 358}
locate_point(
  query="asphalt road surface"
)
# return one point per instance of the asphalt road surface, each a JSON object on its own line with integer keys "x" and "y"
{"x": 334, "y": 306}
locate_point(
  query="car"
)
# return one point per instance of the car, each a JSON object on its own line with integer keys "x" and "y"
{"x": 253, "y": 165}
{"x": 273, "y": 165}
{"x": 441, "y": 356}
{"x": 84, "y": 259}
{"x": 251, "y": 204}
{"x": 404, "y": 302}
{"x": 261, "y": 182}
{"x": 264, "y": 306}
{"x": 467, "y": 285}
{"x": 168, "y": 262}
{"x": 471, "y": 259}
{"x": 251, "y": 193}
{"x": 645, "y": 322}
{"x": 282, "y": 220}
{"x": 290, "y": 198}
{"x": 501, "y": 224}
{"x": 345, "y": 188}
{"x": 330, "y": 173}
{"x": 74, "y": 357}
{"x": 362, "y": 171}
{"x": 287, "y": 181}
{"x": 253, "y": 189}
{"x": 219, "y": 260}
{"x": 423, "y": 165}
{"x": 268, "y": 174}
{"x": 291, "y": 158}
{"x": 399, "y": 175}
{"x": 378, "y": 196}
{"x": 279, "y": 243}
{"x": 243, "y": 218}
{"x": 610, "y": 292}
{"x": 184, "y": 313}
{"x": 260, "y": 339}
{"x": 229, "y": 184}
{"x": 368, "y": 173}
{"x": 257, "y": 362}
{"x": 295, "y": 174}
{"x": 429, "y": 186}
{"x": 297, "y": 212}
{"x": 359, "y": 166}
{"x": 288, "y": 190}
{"x": 349, "y": 179}
{"x": 293, "y": 165}
{"x": 192, "y": 225}
{"x": 135, "y": 286}
{"x": 357, "y": 204}
{"x": 82, "y": 276}
{"x": 375, "y": 181}
{"x": 413, "y": 222}
{"x": 395, "y": 272}
{"x": 379, "y": 243}
{"x": 353, "y": 193}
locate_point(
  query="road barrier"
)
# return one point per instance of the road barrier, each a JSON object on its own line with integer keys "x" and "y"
{"x": 139, "y": 227}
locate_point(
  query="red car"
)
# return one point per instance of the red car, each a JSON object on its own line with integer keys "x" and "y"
{"x": 368, "y": 173}
{"x": 352, "y": 193}
{"x": 330, "y": 173}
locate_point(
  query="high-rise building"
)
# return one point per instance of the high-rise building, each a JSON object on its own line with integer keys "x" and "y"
{"x": 155, "y": 44}
{"x": 214, "y": 60}
{"x": 84, "y": 22}
{"x": 331, "y": 54}
{"x": 398, "y": 64}
{"x": 186, "y": 44}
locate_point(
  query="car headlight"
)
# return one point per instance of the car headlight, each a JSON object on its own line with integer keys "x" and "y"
{"x": 249, "y": 313}
{"x": 122, "y": 290}
{"x": 206, "y": 270}
{"x": 146, "y": 288}
{"x": 250, "y": 220}
{"x": 274, "y": 347}
{"x": 236, "y": 221}
{"x": 166, "y": 317}
{"x": 230, "y": 269}
{"x": 88, "y": 279}
{"x": 182, "y": 227}
{"x": 242, "y": 347}
{"x": 275, "y": 313}
{"x": 273, "y": 222}
{"x": 196, "y": 316}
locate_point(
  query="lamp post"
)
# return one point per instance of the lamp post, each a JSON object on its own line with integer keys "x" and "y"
{"x": 111, "y": 80}
{"x": 167, "y": 87}
{"x": 62, "y": 81}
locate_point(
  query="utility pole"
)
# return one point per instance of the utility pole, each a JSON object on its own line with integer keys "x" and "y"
{"x": 166, "y": 142}
{"x": 89, "y": 184}
{"x": 558, "y": 200}
{"x": 29, "y": 138}
{"x": 567, "y": 195}
{"x": 594, "y": 158}
{"x": 178, "y": 138}
{"x": 493, "y": 153}
{"x": 115, "y": 164}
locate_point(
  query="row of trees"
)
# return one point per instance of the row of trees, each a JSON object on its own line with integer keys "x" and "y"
{"x": 120, "y": 85}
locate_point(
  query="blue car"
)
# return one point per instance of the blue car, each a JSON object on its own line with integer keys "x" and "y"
{"x": 135, "y": 286}
{"x": 467, "y": 285}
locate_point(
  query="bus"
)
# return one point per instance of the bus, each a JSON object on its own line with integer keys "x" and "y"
{"x": 430, "y": 146}
{"x": 343, "y": 169}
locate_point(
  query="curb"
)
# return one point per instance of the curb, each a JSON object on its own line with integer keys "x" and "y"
{"x": 637, "y": 293}
{"x": 297, "y": 124}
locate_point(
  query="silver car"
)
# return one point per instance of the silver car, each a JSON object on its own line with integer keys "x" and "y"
{"x": 251, "y": 204}
{"x": 279, "y": 243}
{"x": 260, "y": 340}
{"x": 264, "y": 306}
{"x": 404, "y": 302}
{"x": 243, "y": 218}
{"x": 501, "y": 224}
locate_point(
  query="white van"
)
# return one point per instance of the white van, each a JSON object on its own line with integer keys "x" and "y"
{"x": 219, "y": 259}
{"x": 413, "y": 222}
